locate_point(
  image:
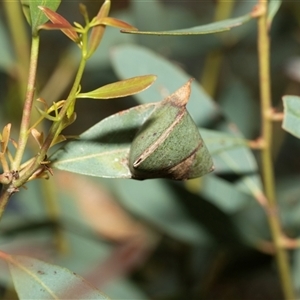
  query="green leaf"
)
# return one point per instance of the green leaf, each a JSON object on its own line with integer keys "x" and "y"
{"x": 291, "y": 119}
{"x": 122, "y": 88}
{"x": 237, "y": 102}
{"x": 158, "y": 204}
{"x": 230, "y": 152}
{"x": 26, "y": 10}
{"x": 225, "y": 195}
{"x": 132, "y": 60}
{"x": 288, "y": 189}
{"x": 169, "y": 145}
{"x": 215, "y": 221}
{"x": 36, "y": 15}
{"x": 220, "y": 26}
{"x": 273, "y": 7}
{"x": 103, "y": 150}
{"x": 35, "y": 279}
{"x": 98, "y": 31}
{"x": 252, "y": 224}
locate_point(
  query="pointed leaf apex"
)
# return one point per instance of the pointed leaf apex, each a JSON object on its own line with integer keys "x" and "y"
{"x": 98, "y": 31}
{"x": 181, "y": 97}
{"x": 59, "y": 22}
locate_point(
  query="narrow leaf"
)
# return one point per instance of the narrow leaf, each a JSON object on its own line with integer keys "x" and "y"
{"x": 60, "y": 22}
{"x": 103, "y": 150}
{"x": 230, "y": 152}
{"x": 220, "y": 26}
{"x": 84, "y": 12}
{"x": 26, "y": 10}
{"x": 37, "y": 16}
{"x": 98, "y": 31}
{"x": 5, "y": 137}
{"x": 51, "y": 26}
{"x": 35, "y": 279}
{"x": 121, "y": 88}
{"x": 291, "y": 119}
{"x": 59, "y": 139}
{"x": 273, "y": 7}
{"x": 38, "y": 136}
{"x": 131, "y": 60}
{"x": 117, "y": 23}
{"x": 152, "y": 201}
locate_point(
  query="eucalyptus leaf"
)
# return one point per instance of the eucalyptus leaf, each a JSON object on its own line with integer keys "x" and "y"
{"x": 26, "y": 10}
{"x": 288, "y": 189}
{"x": 167, "y": 145}
{"x": 37, "y": 17}
{"x": 215, "y": 27}
{"x": 157, "y": 203}
{"x": 291, "y": 119}
{"x": 122, "y": 88}
{"x": 225, "y": 195}
{"x": 35, "y": 279}
{"x": 103, "y": 150}
{"x": 230, "y": 152}
{"x": 252, "y": 224}
{"x": 237, "y": 102}
{"x": 273, "y": 7}
{"x": 131, "y": 60}
{"x": 206, "y": 214}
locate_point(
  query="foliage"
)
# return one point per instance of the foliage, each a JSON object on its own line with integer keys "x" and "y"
{"x": 195, "y": 239}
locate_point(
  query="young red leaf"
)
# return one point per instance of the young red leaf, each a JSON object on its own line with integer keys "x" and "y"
{"x": 51, "y": 26}
{"x": 117, "y": 23}
{"x": 61, "y": 23}
{"x": 122, "y": 88}
{"x": 34, "y": 15}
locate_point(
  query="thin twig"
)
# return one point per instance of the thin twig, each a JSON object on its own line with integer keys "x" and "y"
{"x": 266, "y": 153}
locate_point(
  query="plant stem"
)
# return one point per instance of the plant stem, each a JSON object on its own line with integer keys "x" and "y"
{"x": 63, "y": 112}
{"x": 25, "y": 123}
{"x": 54, "y": 129}
{"x": 266, "y": 153}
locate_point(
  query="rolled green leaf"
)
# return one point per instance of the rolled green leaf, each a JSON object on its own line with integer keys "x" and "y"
{"x": 169, "y": 144}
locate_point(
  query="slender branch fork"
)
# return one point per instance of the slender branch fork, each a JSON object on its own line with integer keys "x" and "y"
{"x": 9, "y": 189}
{"x": 18, "y": 177}
{"x": 266, "y": 152}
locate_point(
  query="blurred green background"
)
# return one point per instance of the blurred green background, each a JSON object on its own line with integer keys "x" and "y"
{"x": 159, "y": 239}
